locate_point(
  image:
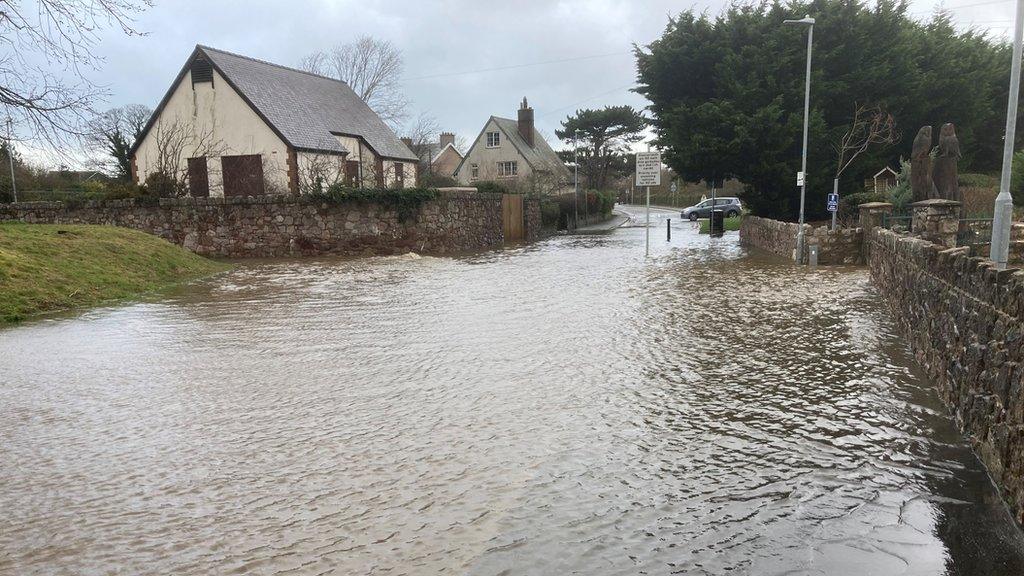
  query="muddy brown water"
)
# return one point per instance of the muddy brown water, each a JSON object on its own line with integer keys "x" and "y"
{"x": 564, "y": 407}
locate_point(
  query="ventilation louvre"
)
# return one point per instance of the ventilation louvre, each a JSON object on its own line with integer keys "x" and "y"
{"x": 202, "y": 71}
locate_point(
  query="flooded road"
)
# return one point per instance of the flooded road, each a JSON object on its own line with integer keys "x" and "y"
{"x": 564, "y": 407}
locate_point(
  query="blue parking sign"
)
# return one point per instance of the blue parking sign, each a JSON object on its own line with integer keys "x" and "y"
{"x": 833, "y": 202}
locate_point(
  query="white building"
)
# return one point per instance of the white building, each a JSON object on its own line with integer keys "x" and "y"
{"x": 512, "y": 151}
{"x": 235, "y": 126}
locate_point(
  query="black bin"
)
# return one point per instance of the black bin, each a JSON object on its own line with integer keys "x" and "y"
{"x": 717, "y": 227}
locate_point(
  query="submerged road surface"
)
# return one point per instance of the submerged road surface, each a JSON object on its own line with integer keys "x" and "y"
{"x": 563, "y": 407}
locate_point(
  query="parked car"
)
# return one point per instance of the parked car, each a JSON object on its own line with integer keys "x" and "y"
{"x": 728, "y": 204}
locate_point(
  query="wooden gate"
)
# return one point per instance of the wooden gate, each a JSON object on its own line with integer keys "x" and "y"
{"x": 512, "y": 217}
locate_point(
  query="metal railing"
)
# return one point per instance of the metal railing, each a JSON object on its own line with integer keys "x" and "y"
{"x": 899, "y": 222}
{"x": 974, "y": 232}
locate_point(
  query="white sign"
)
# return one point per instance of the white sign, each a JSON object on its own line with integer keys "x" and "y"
{"x": 799, "y": 178}
{"x": 648, "y": 168}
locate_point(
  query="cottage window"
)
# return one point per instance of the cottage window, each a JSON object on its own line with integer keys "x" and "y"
{"x": 508, "y": 168}
{"x": 493, "y": 139}
{"x": 474, "y": 171}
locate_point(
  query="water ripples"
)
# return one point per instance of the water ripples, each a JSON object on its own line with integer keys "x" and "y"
{"x": 564, "y": 407}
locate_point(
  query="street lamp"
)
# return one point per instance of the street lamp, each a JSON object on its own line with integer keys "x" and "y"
{"x": 10, "y": 160}
{"x": 1003, "y": 217}
{"x": 809, "y": 22}
{"x": 576, "y": 178}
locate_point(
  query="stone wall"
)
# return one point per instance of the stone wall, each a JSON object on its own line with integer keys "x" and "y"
{"x": 270, "y": 226}
{"x": 842, "y": 246}
{"x": 965, "y": 323}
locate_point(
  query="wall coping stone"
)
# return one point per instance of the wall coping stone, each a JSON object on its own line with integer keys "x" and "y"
{"x": 937, "y": 202}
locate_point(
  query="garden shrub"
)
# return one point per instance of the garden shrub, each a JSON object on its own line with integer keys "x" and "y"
{"x": 406, "y": 201}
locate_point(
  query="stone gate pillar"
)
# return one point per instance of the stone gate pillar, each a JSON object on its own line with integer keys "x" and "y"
{"x": 872, "y": 214}
{"x": 936, "y": 220}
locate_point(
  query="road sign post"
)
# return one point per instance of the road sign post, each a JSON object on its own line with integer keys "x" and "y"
{"x": 833, "y": 202}
{"x": 648, "y": 173}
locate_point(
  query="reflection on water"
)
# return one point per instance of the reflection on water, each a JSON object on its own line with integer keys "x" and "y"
{"x": 561, "y": 407}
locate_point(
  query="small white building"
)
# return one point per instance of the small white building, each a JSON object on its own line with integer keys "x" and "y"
{"x": 512, "y": 151}
{"x": 236, "y": 126}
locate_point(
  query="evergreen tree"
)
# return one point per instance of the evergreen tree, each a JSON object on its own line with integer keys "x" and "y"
{"x": 727, "y": 93}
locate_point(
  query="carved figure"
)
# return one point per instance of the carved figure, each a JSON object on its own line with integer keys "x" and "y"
{"x": 944, "y": 173}
{"x": 921, "y": 185}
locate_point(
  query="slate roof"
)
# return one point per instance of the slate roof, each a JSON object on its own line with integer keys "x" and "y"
{"x": 305, "y": 109}
{"x": 540, "y": 156}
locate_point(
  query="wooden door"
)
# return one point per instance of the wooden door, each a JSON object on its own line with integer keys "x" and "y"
{"x": 198, "y": 178}
{"x": 243, "y": 175}
{"x": 352, "y": 173}
{"x": 512, "y": 217}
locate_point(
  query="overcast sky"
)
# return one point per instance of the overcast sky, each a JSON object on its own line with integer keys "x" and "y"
{"x": 437, "y": 38}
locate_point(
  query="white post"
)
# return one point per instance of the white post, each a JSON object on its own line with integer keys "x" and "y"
{"x": 1003, "y": 217}
{"x": 647, "y": 228}
{"x": 10, "y": 159}
{"x": 576, "y": 179}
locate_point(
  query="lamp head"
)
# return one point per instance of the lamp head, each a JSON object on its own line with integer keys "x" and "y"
{"x": 805, "y": 20}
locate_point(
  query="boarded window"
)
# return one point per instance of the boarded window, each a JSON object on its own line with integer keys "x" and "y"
{"x": 379, "y": 178}
{"x": 400, "y": 174}
{"x": 243, "y": 175}
{"x": 202, "y": 71}
{"x": 352, "y": 173}
{"x": 198, "y": 178}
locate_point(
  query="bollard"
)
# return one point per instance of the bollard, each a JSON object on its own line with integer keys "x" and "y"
{"x": 812, "y": 256}
{"x": 668, "y": 230}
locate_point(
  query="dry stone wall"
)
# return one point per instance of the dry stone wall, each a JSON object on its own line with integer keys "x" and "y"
{"x": 965, "y": 323}
{"x": 842, "y": 246}
{"x": 272, "y": 226}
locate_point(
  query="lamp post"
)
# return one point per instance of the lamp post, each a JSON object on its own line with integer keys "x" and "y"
{"x": 809, "y": 22}
{"x": 576, "y": 178}
{"x": 1003, "y": 216}
{"x": 10, "y": 160}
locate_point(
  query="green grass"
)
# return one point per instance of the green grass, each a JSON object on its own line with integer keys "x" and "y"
{"x": 48, "y": 267}
{"x": 731, "y": 224}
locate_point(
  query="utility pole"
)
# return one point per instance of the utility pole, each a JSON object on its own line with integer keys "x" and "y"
{"x": 576, "y": 178}
{"x": 10, "y": 159}
{"x": 1003, "y": 217}
{"x": 809, "y": 22}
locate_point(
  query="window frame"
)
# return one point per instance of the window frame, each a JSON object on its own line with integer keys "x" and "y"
{"x": 497, "y": 139}
{"x": 508, "y": 168}
{"x": 474, "y": 171}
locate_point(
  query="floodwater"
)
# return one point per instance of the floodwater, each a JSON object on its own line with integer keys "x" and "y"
{"x": 564, "y": 407}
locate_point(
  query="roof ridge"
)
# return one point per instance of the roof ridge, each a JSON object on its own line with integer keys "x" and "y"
{"x": 268, "y": 63}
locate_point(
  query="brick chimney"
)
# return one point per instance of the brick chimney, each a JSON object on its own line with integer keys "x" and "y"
{"x": 446, "y": 139}
{"x": 407, "y": 141}
{"x": 526, "y": 122}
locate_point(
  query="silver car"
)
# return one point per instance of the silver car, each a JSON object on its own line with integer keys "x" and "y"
{"x": 729, "y": 205}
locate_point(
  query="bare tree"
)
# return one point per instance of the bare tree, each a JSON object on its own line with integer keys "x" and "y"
{"x": 176, "y": 142}
{"x": 114, "y": 132}
{"x": 423, "y": 133}
{"x": 318, "y": 172}
{"x": 372, "y": 68}
{"x": 870, "y": 126}
{"x": 45, "y": 40}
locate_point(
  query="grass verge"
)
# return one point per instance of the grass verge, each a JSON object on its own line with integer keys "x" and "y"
{"x": 731, "y": 225}
{"x": 48, "y": 267}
